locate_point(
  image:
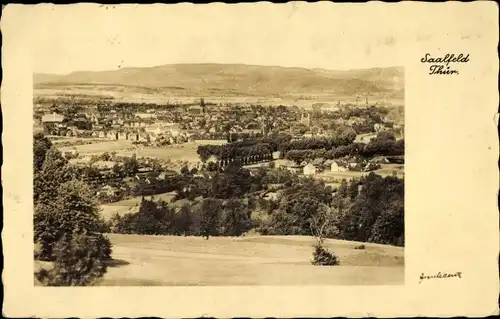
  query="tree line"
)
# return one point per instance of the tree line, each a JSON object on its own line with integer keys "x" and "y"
{"x": 68, "y": 230}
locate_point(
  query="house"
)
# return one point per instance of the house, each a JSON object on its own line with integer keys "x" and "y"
{"x": 112, "y": 135}
{"x": 212, "y": 159}
{"x": 51, "y": 121}
{"x": 143, "y": 137}
{"x": 195, "y": 110}
{"x": 123, "y": 136}
{"x": 276, "y": 155}
{"x": 210, "y": 141}
{"x": 335, "y": 167}
{"x": 309, "y": 169}
{"x": 70, "y": 152}
{"x": 365, "y": 138}
{"x": 155, "y": 129}
{"x": 379, "y": 127}
{"x": 102, "y": 134}
{"x": 108, "y": 191}
{"x": 133, "y": 137}
{"x": 145, "y": 115}
{"x": 380, "y": 160}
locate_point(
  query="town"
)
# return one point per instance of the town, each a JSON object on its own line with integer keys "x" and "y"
{"x": 144, "y": 132}
{"x": 206, "y": 176}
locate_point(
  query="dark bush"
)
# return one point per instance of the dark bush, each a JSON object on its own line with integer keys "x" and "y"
{"x": 79, "y": 261}
{"x": 322, "y": 257}
{"x": 360, "y": 247}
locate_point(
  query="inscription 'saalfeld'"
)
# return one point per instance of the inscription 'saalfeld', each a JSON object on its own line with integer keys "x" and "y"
{"x": 441, "y": 65}
{"x": 440, "y": 275}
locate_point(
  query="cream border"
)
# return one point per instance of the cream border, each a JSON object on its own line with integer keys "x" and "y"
{"x": 451, "y": 171}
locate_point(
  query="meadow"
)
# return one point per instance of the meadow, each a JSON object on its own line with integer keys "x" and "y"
{"x": 177, "y": 152}
{"x": 98, "y": 147}
{"x": 254, "y": 260}
{"x": 132, "y": 204}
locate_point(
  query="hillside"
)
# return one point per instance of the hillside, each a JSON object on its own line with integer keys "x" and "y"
{"x": 140, "y": 260}
{"x": 236, "y": 80}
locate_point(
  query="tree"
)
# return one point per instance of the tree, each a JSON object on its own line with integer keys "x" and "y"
{"x": 210, "y": 210}
{"x": 41, "y": 146}
{"x": 73, "y": 212}
{"x": 54, "y": 171}
{"x": 184, "y": 220}
{"x": 235, "y": 219}
{"x": 79, "y": 261}
{"x": 130, "y": 166}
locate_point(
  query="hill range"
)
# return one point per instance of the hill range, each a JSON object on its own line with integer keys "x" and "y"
{"x": 230, "y": 80}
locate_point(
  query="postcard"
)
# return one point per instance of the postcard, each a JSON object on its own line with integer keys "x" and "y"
{"x": 250, "y": 160}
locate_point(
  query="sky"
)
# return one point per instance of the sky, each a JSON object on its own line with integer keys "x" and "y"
{"x": 92, "y": 37}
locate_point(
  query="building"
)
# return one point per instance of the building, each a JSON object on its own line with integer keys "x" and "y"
{"x": 50, "y": 122}
{"x": 155, "y": 129}
{"x": 69, "y": 152}
{"x": 133, "y": 136}
{"x": 210, "y": 141}
{"x": 123, "y": 136}
{"x": 305, "y": 120}
{"x": 195, "y": 110}
{"x": 145, "y": 115}
{"x": 309, "y": 169}
{"x": 365, "y": 138}
{"x": 112, "y": 135}
{"x": 335, "y": 167}
{"x": 379, "y": 127}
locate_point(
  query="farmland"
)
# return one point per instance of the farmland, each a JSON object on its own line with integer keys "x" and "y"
{"x": 99, "y": 147}
{"x": 256, "y": 260}
{"x": 180, "y": 152}
{"x": 127, "y": 205}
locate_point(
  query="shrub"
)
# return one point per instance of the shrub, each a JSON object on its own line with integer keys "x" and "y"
{"x": 79, "y": 261}
{"x": 73, "y": 212}
{"x": 322, "y": 257}
{"x": 360, "y": 247}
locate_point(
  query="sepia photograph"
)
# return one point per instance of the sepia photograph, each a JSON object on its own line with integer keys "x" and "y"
{"x": 201, "y": 174}
{"x": 250, "y": 160}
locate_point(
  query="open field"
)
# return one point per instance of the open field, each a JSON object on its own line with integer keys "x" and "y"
{"x": 257, "y": 260}
{"x": 170, "y": 260}
{"x": 385, "y": 170}
{"x": 177, "y": 152}
{"x": 128, "y": 205}
{"x": 99, "y": 147}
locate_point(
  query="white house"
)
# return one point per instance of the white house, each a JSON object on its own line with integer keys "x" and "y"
{"x": 212, "y": 159}
{"x": 309, "y": 169}
{"x": 112, "y": 135}
{"x": 123, "y": 136}
{"x": 365, "y": 138}
{"x": 336, "y": 168}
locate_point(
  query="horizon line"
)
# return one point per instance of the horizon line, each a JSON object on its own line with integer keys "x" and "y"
{"x": 217, "y": 63}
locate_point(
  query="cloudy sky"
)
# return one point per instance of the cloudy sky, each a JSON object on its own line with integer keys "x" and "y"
{"x": 69, "y": 38}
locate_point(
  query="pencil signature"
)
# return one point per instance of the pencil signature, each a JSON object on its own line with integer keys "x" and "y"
{"x": 440, "y": 275}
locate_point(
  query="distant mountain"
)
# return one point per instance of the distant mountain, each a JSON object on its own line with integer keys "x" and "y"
{"x": 240, "y": 79}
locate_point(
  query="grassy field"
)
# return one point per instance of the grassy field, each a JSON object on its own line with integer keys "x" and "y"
{"x": 125, "y": 206}
{"x": 178, "y": 152}
{"x": 385, "y": 170}
{"x": 257, "y": 260}
{"x": 99, "y": 147}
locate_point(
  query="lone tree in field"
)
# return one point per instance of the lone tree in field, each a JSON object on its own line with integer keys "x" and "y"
{"x": 320, "y": 224}
{"x": 210, "y": 210}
